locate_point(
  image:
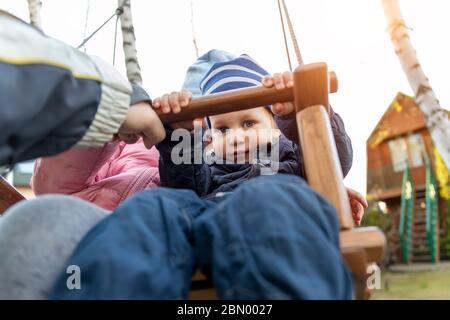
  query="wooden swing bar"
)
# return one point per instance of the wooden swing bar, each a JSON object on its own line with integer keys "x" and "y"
{"x": 235, "y": 100}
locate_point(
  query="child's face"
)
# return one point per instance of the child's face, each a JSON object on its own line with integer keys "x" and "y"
{"x": 236, "y": 135}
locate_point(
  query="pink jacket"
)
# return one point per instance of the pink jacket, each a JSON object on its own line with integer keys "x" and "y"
{"x": 104, "y": 176}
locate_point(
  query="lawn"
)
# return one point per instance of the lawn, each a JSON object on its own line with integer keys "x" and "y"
{"x": 414, "y": 285}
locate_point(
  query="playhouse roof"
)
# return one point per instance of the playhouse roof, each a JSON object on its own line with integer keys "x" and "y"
{"x": 402, "y": 116}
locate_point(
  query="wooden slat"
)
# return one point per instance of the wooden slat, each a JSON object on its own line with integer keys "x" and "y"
{"x": 198, "y": 275}
{"x": 204, "y": 294}
{"x": 202, "y": 288}
{"x": 322, "y": 161}
{"x": 8, "y": 195}
{"x": 356, "y": 260}
{"x": 371, "y": 239}
{"x": 322, "y": 165}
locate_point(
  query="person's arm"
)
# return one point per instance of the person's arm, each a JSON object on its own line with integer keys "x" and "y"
{"x": 52, "y": 96}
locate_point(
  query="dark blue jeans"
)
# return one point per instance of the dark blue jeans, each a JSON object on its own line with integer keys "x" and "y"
{"x": 272, "y": 238}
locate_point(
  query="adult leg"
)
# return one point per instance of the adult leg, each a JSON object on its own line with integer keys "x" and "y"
{"x": 141, "y": 251}
{"x": 273, "y": 238}
{"x": 36, "y": 238}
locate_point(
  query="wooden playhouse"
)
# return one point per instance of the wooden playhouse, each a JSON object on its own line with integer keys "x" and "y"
{"x": 406, "y": 174}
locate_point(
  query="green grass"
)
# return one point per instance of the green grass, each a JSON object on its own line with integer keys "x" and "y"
{"x": 418, "y": 285}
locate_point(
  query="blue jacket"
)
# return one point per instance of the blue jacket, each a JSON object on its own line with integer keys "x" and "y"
{"x": 207, "y": 180}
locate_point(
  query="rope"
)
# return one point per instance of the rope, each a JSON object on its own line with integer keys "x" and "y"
{"x": 115, "y": 41}
{"x": 118, "y": 12}
{"x": 294, "y": 39}
{"x": 284, "y": 35}
{"x": 86, "y": 22}
{"x": 193, "y": 29}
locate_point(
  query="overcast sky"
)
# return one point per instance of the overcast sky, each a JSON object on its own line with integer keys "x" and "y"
{"x": 350, "y": 35}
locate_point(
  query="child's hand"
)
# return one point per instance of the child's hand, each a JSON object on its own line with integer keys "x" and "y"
{"x": 280, "y": 81}
{"x": 173, "y": 102}
{"x": 142, "y": 121}
{"x": 357, "y": 203}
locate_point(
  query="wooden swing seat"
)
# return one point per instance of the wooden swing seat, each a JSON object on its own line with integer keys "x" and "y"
{"x": 360, "y": 247}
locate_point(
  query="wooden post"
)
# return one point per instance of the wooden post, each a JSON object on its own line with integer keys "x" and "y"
{"x": 311, "y": 86}
{"x": 322, "y": 165}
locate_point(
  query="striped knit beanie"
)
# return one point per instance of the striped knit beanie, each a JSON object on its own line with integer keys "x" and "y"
{"x": 242, "y": 72}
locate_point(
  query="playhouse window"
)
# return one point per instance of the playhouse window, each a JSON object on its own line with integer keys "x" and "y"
{"x": 407, "y": 150}
{"x": 416, "y": 149}
{"x": 399, "y": 153}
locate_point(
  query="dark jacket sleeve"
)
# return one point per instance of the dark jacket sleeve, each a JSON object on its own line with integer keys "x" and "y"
{"x": 44, "y": 110}
{"x": 288, "y": 126}
{"x": 187, "y": 174}
{"x": 53, "y": 96}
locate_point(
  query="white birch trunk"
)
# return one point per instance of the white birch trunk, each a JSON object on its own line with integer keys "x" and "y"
{"x": 436, "y": 118}
{"x": 129, "y": 43}
{"x": 34, "y": 7}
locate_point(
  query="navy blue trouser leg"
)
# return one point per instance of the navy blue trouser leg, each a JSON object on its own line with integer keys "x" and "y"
{"x": 273, "y": 238}
{"x": 141, "y": 251}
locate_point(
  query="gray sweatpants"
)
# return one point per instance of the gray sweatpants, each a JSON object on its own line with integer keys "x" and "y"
{"x": 37, "y": 237}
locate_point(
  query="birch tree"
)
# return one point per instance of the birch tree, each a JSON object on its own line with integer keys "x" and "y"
{"x": 436, "y": 118}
